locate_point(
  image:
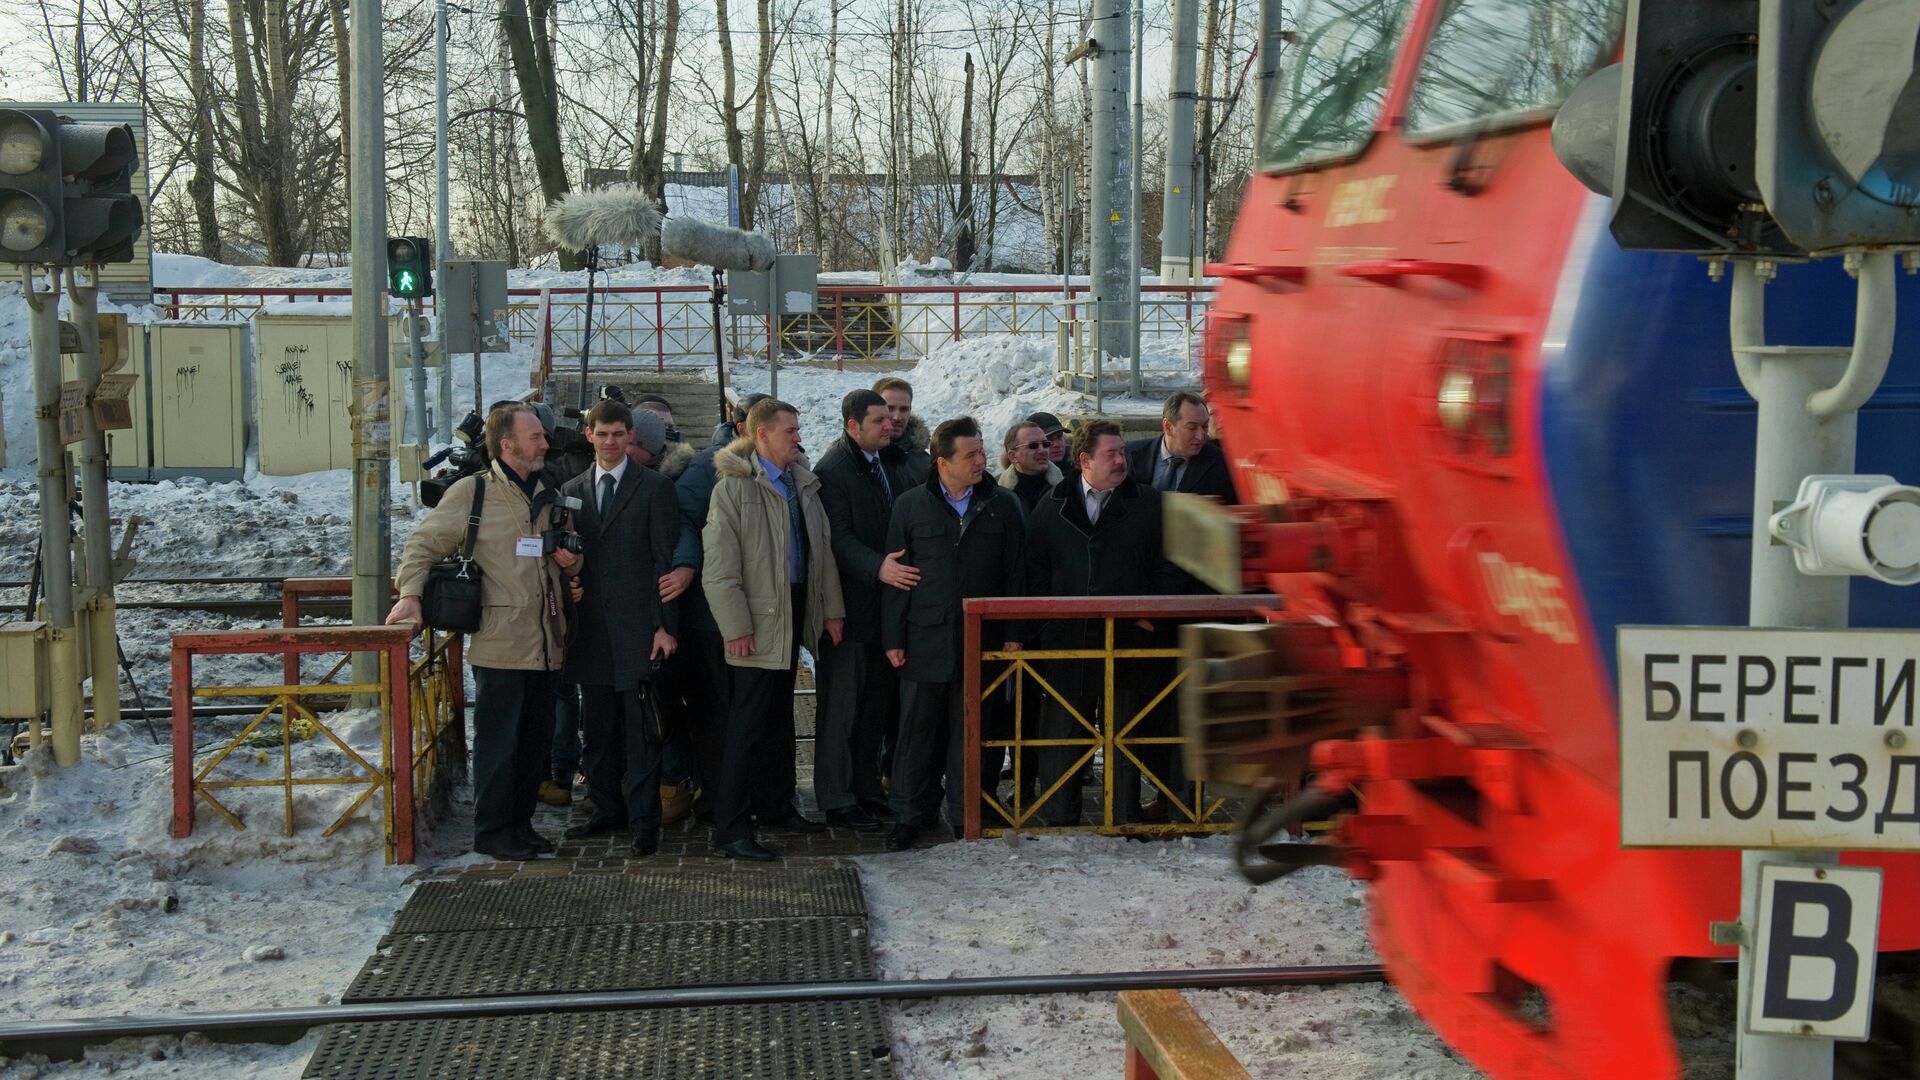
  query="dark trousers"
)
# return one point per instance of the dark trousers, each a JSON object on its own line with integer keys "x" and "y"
{"x": 512, "y": 725}
{"x": 1083, "y": 688}
{"x": 563, "y": 759}
{"x": 856, "y": 702}
{"x": 759, "y": 736}
{"x": 622, "y": 765}
{"x": 929, "y": 716}
{"x": 707, "y": 687}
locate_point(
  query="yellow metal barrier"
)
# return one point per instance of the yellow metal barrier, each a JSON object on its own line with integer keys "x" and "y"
{"x": 1110, "y": 735}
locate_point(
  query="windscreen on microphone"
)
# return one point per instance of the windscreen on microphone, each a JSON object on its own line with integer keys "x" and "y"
{"x": 715, "y": 245}
{"x": 587, "y": 219}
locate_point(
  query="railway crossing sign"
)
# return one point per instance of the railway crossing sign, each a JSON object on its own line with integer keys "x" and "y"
{"x": 1819, "y": 930}
{"x": 1738, "y": 737}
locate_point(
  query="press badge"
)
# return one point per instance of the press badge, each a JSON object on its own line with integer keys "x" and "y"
{"x": 528, "y": 546}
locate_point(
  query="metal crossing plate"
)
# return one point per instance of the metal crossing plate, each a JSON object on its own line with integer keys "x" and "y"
{"x": 826, "y": 1040}
{"x": 676, "y": 894}
{"x": 540, "y": 960}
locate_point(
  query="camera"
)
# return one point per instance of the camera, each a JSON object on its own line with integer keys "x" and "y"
{"x": 556, "y": 537}
{"x": 464, "y": 458}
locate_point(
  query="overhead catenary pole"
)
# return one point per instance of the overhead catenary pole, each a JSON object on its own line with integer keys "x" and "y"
{"x": 1110, "y": 161}
{"x": 1272, "y": 27}
{"x": 372, "y": 426}
{"x": 443, "y": 422}
{"x": 1176, "y": 218}
{"x": 56, "y": 532}
{"x": 101, "y": 644}
{"x": 1134, "y": 250}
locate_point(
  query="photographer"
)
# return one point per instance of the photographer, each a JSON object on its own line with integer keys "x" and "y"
{"x": 519, "y": 646}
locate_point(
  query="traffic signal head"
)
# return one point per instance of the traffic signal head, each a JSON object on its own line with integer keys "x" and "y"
{"x": 30, "y": 187}
{"x": 409, "y": 266}
{"x": 66, "y": 195}
{"x": 1839, "y": 121}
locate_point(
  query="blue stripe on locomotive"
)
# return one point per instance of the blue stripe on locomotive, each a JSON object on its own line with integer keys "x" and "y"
{"x": 1648, "y": 435}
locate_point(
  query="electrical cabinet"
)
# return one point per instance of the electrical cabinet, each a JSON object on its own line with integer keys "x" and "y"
{"x": 23, "y": 670}
{"x": 187, "y": 402}
{"x": 303, "y": 386}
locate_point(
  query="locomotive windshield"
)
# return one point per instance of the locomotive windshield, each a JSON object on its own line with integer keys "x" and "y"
{"x": 1508, "y": 58}
{"x": 1333, "y": 81}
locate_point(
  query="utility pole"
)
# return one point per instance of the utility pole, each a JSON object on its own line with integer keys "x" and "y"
{"x": 102, "y": 644}
{"x": 1272, "y": 19}
{"x": 56, "y": 530}
{"x": 1134, "y": 250}
{"x": 1111, "y": 161}
{"x": 1176, "y": 216}
{"x": 372, "y": 426}
{"x": 443, "y": 425}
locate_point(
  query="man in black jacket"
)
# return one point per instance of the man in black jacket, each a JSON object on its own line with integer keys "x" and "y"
{"x": 629, "y": 522}
{"x": 965, "y": 534}
{"x": 909, "y": 449}
{"x": 858, "y": 700}
{"x": 1182, "y": 458}
{"x": 1095, "y": 534}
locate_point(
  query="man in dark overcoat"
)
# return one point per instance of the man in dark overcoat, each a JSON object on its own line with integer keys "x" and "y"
{"x": 965, "y": 533}
{"x": 629, "y": 520}
{"x": 1095, "y": 534}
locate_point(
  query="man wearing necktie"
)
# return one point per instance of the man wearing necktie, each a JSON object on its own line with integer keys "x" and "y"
{"x": 770, "y": 579}
{"x": 628, "y": 523}
{"x": 1095, "y": 534}
{"x": 858, "y": 701}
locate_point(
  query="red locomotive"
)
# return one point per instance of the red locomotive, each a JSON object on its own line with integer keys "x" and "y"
{"x": 1478, "y": 436}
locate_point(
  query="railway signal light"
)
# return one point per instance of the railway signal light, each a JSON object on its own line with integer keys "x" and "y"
{"x": 66, "y": 195}
{"x": 409, "y": 266}
{"x": 1839, "y": 121}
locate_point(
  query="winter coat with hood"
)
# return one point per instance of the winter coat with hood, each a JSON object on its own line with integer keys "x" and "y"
{"x": 959, "y": 559}
{"x": 522, "y": 621}
{"x": 744, "y": 566}
{"x": 908, "y": 454}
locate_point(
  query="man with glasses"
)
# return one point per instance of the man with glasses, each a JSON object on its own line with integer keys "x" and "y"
{"x": 1026, "y": 469}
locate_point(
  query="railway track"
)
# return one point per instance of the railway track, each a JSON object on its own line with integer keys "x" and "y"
{"x": 63, "y": 1040}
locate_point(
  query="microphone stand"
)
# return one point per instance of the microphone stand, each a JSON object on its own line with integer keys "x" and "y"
{"x": 586, "y": 335}
{"x": 719, "y": 297}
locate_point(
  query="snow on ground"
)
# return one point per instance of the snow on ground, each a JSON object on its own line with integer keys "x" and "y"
{"x": 1068, "y": 904}
{"x": 102, "y": 912}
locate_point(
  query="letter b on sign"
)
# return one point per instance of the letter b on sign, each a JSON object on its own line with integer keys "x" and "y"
{"x": 1819, "y": 926}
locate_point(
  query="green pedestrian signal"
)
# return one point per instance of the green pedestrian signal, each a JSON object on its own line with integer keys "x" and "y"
{"x": 409, "y": 266}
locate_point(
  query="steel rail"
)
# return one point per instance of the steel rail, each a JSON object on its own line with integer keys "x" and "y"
{"x": 65, "y": 1039}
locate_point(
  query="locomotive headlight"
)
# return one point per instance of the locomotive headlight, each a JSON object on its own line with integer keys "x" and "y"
{"x": 1240, "y": 363}
{"x": 1456, "y": 401}
{"x": 1227, "y": 350}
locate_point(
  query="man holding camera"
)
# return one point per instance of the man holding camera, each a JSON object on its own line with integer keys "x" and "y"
{"x": 628, "y": 522}
{"x": 520, "y": 644}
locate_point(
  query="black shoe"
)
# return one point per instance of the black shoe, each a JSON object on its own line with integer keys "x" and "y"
{"x": 534, "y": 840}
{"x": 959, "y": 832}
{"x": 645, "y": 846}
{"x": 901, "y": 837}
{"x": 795, "y": 822}
{"x": 592, "y": 827}
{"x": 746, "y": 849}
{"x": 877, "y": 809}
{"x": 504, "y": 846}
{"x": 853, "y": 818}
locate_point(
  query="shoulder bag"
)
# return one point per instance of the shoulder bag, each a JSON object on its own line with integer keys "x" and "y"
{"x": 451, "y": 599}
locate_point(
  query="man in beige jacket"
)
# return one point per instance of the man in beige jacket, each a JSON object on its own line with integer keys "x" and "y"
{"x": 770, "y": 579}
{"x": 517, "y": 650}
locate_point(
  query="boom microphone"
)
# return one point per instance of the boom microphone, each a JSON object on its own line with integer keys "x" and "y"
{"x": 715, "y": 245}
{"x": 584, "y": 220}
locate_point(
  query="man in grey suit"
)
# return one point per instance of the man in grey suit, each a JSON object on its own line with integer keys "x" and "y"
{"x": 630, "y": 520}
